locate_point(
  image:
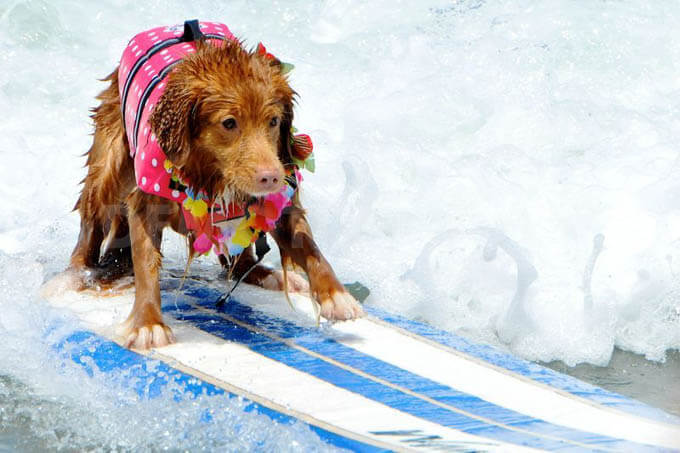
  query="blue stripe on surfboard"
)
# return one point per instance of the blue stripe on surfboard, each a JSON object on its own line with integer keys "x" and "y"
{"x": 528, "y": 369}
{"x": 355, "y": 383}
{"x": 314, "y": 340}
{"x": 511, "y": 363}
{"x": 150, "y": 378}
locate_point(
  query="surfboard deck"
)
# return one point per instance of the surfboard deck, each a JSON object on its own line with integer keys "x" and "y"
{"x": 375, "y": 384}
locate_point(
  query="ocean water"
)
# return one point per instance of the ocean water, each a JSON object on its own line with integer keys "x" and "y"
{"x": 503, "y": 170}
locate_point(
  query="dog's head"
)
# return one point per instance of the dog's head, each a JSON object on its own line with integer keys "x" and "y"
{"x": 225, "y": 120}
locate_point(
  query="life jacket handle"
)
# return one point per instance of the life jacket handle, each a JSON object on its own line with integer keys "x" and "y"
{"x": 192, "y": 31}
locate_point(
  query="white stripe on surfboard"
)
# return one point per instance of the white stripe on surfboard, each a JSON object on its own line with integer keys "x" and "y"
{"x": 237, "y": 368}
{"x": 466, "y": 374}
{"x": 529, "y": 434}
{"x": 659, "y": 434}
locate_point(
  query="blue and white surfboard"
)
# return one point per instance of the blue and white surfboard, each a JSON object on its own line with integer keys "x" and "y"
{"x": 380, "y": 383}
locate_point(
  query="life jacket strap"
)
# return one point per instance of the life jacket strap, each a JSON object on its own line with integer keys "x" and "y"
{"x": 261, "y": 249}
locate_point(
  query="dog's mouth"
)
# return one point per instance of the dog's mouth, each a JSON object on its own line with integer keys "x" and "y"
{"x": 233, "y": 195}
{"x": 242, "y": 197}
{"x": 264, "y": 194}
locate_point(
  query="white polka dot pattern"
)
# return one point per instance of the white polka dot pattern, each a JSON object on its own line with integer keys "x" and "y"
{"x": 142, "y": 67}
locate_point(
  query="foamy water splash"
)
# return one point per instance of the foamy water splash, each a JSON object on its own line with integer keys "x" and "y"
{"x": 504, "y": 171}
{"x": 543, "y": 131}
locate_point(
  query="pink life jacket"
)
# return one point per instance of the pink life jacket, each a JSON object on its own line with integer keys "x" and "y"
{"x": 146, "y": 61}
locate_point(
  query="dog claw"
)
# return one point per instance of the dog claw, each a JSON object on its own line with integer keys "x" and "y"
{"x": 150, "y": 336}
{"x": 341, "y": 306}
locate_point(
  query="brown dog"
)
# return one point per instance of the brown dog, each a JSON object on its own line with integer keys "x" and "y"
{"x": 224, "y": 120}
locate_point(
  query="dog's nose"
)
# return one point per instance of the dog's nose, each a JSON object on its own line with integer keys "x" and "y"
{"x": 267, "y": 180}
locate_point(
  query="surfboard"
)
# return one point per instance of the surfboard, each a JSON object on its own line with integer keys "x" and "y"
{"x": 382, "y": 383}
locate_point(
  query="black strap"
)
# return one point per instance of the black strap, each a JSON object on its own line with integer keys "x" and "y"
{"x": 261, "y": 246}
{"x": 145, "y": 97}
{"x": 143, "y": 59}
{"x": 261, "y": 249}
{"x": 192, "y": 32}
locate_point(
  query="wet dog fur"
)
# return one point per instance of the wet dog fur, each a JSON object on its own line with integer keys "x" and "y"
{"x": 224, "y": 119}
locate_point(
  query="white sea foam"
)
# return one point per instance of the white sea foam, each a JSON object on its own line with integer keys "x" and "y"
{"x": 504, "y": 170}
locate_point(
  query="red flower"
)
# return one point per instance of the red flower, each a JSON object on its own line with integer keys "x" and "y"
{"x": 302, "y": 146}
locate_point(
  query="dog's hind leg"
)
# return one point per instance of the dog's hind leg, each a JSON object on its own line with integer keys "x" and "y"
{"x": 116, "y": 259}
{"x": 86, "y": 251}
{"x": 263, "y": 276}
{"x": 109, "y": 180}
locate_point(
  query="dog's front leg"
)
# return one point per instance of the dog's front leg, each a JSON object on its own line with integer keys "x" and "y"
{"x": 144, "y": 327}
{"x": 294, "y": 238}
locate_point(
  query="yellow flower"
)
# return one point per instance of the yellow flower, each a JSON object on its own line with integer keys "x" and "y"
{"x": 198, "y": 208}
{"x": 243, "y": 235}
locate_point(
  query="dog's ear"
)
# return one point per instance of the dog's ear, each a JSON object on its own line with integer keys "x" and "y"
{"x": 285, "y": 135}
{"x": 173, "y": 119}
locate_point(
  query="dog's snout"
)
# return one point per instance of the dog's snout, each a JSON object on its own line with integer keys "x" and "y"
{"x": 267, "y": 179}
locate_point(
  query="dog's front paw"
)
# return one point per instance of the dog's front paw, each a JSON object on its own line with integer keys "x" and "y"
{"x": 146, "y": 336}
{"x": 339, "y": 305}
{"x": 296, "y": 282}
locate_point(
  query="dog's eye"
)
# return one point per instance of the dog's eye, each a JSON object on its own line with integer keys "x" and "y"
{"x": 229, "y": 123}
{"x": 274, "y": 122}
